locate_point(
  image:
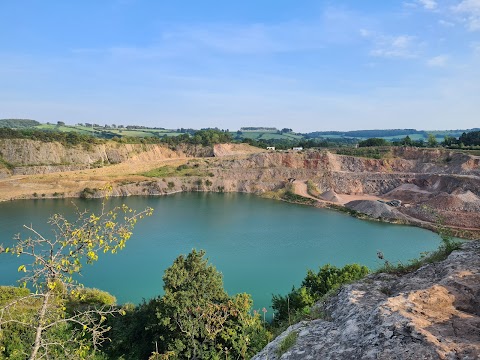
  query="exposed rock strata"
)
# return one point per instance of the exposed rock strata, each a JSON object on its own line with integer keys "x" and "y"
{"x": 28, "y": 157}
{"x": 433, "y": 313}
{"x": 430, "y": 183}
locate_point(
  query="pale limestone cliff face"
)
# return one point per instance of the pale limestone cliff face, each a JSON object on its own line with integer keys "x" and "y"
{"x": 36, "y": 157}
{"x": 426, "y": 161}
{"x": 433, "y": 313}
{"x": 222, "y": 150}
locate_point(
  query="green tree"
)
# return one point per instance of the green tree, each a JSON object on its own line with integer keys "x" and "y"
{"x": 471, "y": 138}
{"x": 432, "y": 141}
{"x": 407, "y": 141}
{"x": 373, "y": 142}
{"x": 55, "y": 263}
{"x": 196, "y": 317}
{"x": 449, "y": 140}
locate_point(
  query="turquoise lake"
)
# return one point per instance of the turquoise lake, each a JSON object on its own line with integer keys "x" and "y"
{"x": 261, "y": 246}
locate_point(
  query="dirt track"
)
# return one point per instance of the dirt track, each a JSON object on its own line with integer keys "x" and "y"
{"x": 300, "y": 188}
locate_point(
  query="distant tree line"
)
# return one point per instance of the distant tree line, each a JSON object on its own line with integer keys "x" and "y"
{"x": 258, "y": 128}
{"x": 470, "y": 139}
{"x": 208, "y": 137}
{"x": 200, "y": 137}
{"x": 365, "y": 133}
{"x": 18, "y": 123}
{"x": 66, "y": 138}
{"x": 205, "y": 137}
{"x": 285, "y": 144}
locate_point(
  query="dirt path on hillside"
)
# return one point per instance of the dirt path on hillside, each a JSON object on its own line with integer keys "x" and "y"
{"x": 346, "y": 198}
{"x": 300, "y": 188}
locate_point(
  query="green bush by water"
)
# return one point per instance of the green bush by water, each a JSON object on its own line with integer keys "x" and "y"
{"x": 314, "y": 286}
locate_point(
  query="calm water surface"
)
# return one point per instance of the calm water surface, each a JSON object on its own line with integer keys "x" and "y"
{"x": 261, "y": 246}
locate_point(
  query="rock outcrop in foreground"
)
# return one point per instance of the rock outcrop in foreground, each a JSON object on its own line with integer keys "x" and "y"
{"x": 432, "y": 313}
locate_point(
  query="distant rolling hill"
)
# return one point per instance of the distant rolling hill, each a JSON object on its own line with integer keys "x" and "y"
{"x": 252, "y": 133}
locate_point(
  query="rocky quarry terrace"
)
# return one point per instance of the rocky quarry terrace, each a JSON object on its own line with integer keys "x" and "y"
{"x": 432, "y": 184}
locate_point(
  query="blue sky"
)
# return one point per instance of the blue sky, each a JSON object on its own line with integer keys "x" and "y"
{"x": 306, "y": 65}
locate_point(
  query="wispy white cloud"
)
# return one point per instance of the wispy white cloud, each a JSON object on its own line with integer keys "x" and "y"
{"x": 365, "y": 33}
{"x": 470, "y": 10}
{"x": 388, "y": 46}
{"x": 475, "y": 46}
{"x": 332, "y": 26}
{"x": 252, "y": 38}
{"x": 225, "y": 39}
{"x": 410, "y": 5}
{"x": 446, "y": 23}
{"x": 438, "y": 61}
{"x": 428, "y": 4}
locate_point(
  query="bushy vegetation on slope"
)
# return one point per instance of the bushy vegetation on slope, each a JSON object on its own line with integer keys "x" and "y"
{"x": 66, "y": 138}
{"x": 201, "y": 137}
{"x": 18, "y": 123}
{"x": 315, "y": 285}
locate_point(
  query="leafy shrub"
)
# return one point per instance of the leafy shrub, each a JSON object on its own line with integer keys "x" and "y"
{"x": 11, "y": 292}
{"x": 446, "y": 248}
{"x": 373, "y": 142}
{"x": 92, "y": 297}
{"x": 292, "y": 197}
{"x": 87, "y": 193}
{"x": 170, "y": 171}
{"x": 367, "y": 152}
{"x": 313, "y": 287}
{"x": 6, "y": 164}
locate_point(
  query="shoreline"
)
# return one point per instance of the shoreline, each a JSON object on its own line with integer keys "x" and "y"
{"x": 311, "y": 178}
{"x": 462, "y": 233}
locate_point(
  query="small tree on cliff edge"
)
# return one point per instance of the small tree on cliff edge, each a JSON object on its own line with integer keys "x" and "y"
{"x": 54, "y": 331}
